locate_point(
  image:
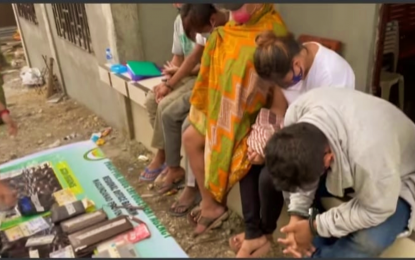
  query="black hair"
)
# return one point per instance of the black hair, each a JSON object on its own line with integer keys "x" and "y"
{"x": 274, "y": 55}
{"x": 295, "y": 156}
{"x": 195, "y": 17}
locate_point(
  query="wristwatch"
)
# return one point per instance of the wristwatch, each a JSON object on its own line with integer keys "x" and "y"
{"x": 4, "y": 112}
{"x": 312, "y": 214}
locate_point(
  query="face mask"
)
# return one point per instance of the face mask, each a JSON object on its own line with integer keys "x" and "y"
{"x": 296, "y": 78}
{"x": 241, "y": 16}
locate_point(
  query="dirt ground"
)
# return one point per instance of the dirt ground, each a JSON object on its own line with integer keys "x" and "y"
{"x": 43, "y": 125}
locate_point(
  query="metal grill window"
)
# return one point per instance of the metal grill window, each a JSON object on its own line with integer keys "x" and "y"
{"x": 72, "y": 24}
{"x": 27, "y": 11}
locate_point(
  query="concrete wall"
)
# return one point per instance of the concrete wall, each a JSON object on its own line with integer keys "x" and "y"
{"x": 156, "y": 25}
{"x": 353, "y": 24}
{"x": 79, "y": 68}
{"x": 34, "y": 36}
{"x": 127, "y": 31}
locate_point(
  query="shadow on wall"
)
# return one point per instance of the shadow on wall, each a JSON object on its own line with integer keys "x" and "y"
{"x": 156, "y": 25}
{"x": 334, "y": 21}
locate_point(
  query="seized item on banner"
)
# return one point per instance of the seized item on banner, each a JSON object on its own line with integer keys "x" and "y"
{"x": 64, "y": 196}
{"x": 70, "y": 210}
{"x": 87, "y": 238}
{"x": 83, "y": 221}
{"x": 118, "y": 251}
{"x": 26, "y": 229}
{"x": 40, "y": 241}
{"x": 35, "y": 204}
{"x": 34, "y": 253}
{"x": 66, "y": 252}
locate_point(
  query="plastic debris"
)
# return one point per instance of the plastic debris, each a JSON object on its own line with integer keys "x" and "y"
{"x": 31, "y": 76}
{"x": 95, "y": 137}
{"x": 143, "y": 158}
{"x": 106, "y": 132}
{"x": 100, "y": 142}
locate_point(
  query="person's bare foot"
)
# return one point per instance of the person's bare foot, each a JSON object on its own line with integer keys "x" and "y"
{"x": 236, "y": 241}
{"x": 254, "y": 248}
{"x": 186, "y": 201}
{"x": 210, "y": 210}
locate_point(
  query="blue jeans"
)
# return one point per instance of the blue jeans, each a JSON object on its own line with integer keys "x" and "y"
{"x": 369, "y": 242}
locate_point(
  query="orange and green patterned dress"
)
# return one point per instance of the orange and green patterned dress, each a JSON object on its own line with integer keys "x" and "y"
{"x": 226, "y": 98}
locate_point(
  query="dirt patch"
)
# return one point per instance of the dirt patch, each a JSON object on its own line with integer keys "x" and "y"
{"x": 42, "y": 125}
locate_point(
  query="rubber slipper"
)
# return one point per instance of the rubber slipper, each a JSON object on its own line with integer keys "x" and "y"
{"x": 153, "y": 174}
{"x": 211, "y": 223}
{"x": 169, "y": 186}
{"x": 173, "y": 211}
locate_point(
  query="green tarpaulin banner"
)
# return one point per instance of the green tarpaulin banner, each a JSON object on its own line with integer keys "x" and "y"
{"x": 83, "y": 168}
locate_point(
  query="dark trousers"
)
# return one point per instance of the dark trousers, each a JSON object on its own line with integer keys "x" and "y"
{"x": 261, "y": 203}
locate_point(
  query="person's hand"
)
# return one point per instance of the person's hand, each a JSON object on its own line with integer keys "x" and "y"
{"x": 289, "y": 242}
{"x": 157, "y": 87}
{"x": 290, "y": 245}
{"x": 8, "y": 196}
{"x": 162, "y": 91}
{"x": 10, "y": 123}
{"x": 255, "y": 158}
{"x": 169, "y": 69}
{"x": 299, "y": 238}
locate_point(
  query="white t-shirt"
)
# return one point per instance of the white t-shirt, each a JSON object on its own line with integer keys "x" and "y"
{"x": 329, "y": 69}
{"x": 201, "y": 40}
{"x": 181, "y": 44}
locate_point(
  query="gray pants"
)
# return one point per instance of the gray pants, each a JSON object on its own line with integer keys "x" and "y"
{"x": 172, "y": 120}
{"x": 155, "y": 110}
{"x": 174, "y": 123}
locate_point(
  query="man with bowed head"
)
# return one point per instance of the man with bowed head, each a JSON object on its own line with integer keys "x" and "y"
{"x": 347, "y": 144}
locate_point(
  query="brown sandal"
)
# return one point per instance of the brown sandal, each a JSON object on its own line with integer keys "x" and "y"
{"x": 211, "y": 223}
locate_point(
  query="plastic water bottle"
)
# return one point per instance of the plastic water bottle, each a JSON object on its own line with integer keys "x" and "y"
{"x": 108, "y": 54}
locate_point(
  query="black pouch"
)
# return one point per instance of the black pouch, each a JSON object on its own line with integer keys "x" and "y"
{"x": 70, "y": 210}
{"x": 83, "y": 221}
{"x": 85, "y": 241}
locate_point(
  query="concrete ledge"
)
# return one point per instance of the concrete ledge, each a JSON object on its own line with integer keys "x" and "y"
{"x": 122, "y": 83}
